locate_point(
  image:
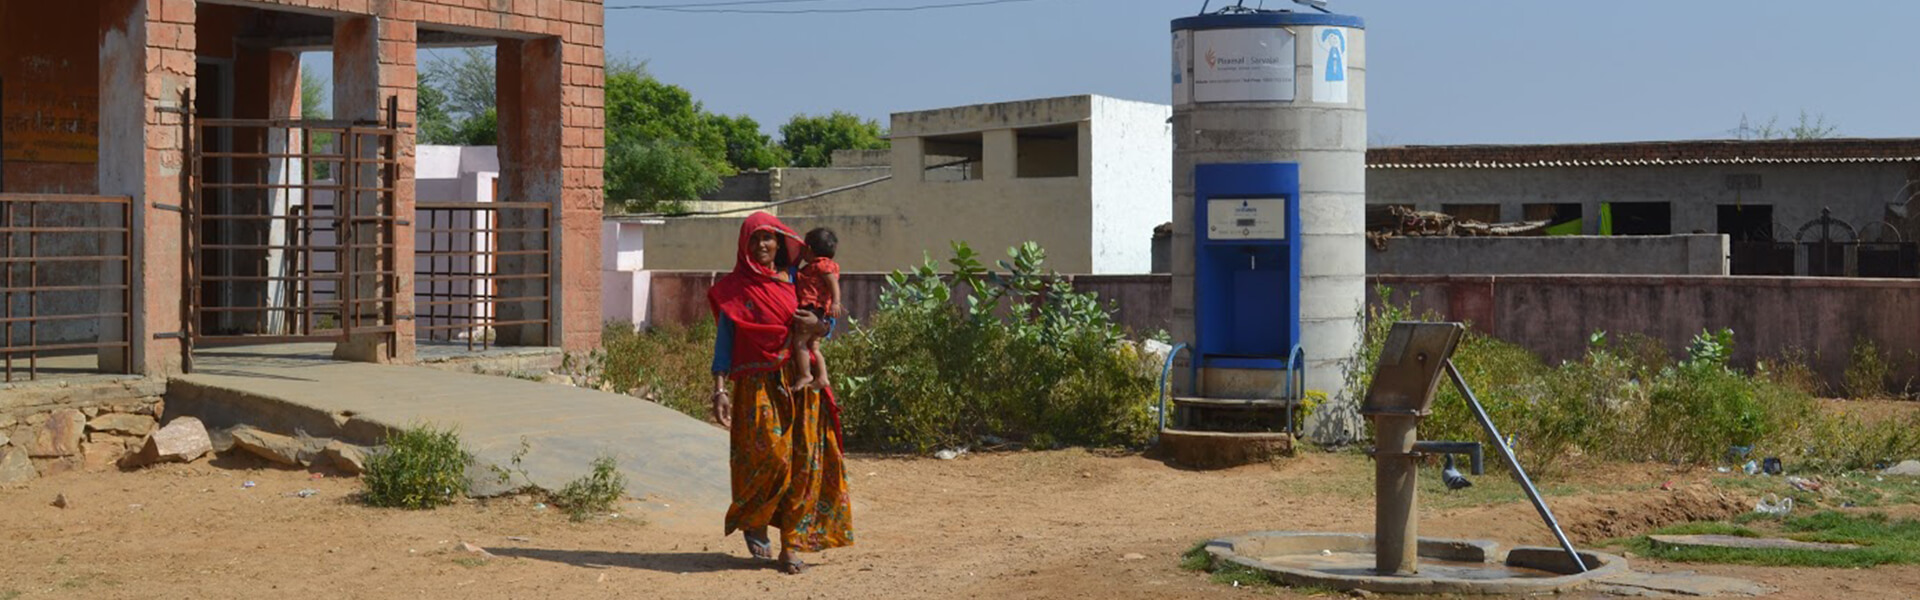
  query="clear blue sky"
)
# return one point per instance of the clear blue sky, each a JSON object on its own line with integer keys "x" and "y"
{"x": 1439, "y": 72}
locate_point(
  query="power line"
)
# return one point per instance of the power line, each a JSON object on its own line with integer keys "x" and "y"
{"x": 702, "y": 9}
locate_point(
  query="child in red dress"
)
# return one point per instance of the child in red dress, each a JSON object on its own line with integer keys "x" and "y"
{"x": 818, "y": 286}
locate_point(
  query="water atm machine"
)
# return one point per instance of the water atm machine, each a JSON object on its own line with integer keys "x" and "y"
{"x": 1246, "y": 265}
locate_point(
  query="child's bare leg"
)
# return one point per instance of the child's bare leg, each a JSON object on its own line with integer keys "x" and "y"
{"x": 802, "y": 360}
{"x": 819, "y": 363}
{"x": 801, "y": 334}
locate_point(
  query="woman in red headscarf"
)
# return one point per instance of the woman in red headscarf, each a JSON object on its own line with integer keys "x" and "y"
{"x": 787, "y": 468}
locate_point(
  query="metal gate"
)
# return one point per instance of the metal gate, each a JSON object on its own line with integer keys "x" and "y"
{"x": 290, "y": 229}
{"x": 1827, "y": 253}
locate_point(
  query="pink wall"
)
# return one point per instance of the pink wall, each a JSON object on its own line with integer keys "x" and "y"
{"x": 1552, "y": 315}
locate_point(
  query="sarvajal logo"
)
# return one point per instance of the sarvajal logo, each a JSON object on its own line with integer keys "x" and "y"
{"x": 1212, "y": 61}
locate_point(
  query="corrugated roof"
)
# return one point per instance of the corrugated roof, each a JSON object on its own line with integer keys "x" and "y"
{"x": 1629, "y": 154}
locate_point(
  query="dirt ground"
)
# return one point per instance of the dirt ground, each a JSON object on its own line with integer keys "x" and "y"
{"x": 1016, "y": 525}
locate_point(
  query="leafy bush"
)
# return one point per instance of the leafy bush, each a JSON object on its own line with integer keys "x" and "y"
{"x": 668, "y": 364}
{"x": 1014, "y": 353}
{"x": 1622, "y": 400}
{"x": 1840, "y": 442}
{"x": 1868, "y": 371}
{"x": 1701, "y": 407}
{"x": 419, "y": 468}
{"x": 595, "y": 492}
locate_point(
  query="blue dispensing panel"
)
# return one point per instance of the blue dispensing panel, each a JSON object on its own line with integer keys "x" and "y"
{"x": 1246, "y": 264}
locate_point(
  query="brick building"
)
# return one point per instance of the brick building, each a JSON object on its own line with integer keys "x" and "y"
{"x": 160, "y": 190}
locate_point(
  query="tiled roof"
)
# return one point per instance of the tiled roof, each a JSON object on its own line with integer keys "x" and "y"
{"x": 1703, "y": 152}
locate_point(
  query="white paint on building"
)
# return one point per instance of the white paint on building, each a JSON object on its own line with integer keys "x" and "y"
{"x": 1132, "y": 180}
{"x": 1086, "y": 177}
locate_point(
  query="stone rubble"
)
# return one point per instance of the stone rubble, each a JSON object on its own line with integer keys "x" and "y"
{"x": 183, "y": 440}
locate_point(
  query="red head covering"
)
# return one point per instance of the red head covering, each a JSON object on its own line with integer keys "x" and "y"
{"x": 759, "y": 304}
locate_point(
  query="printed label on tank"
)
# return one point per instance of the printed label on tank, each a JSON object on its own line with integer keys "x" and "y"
{"x": 1247, "y": 219}
{"x": 1243, "y": 65}
{"x": 1330, "y": 65}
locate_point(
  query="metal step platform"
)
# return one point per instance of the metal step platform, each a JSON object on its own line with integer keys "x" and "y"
{"x": 1206, "y": 432}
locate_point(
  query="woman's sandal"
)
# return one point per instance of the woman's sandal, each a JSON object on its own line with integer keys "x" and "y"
{"x": 793, "y": 566}
{"x": 759, "y": 546}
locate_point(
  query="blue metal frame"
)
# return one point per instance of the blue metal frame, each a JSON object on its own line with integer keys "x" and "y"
{"x": 1296, "y": 384}
{"x": 1272, "y": 19}
{"x": 1244, "y": 180}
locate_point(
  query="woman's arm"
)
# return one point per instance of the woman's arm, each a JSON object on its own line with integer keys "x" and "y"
{"x": 722, "y": 400}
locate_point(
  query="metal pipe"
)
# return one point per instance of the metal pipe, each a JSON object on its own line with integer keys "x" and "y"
{"x": 1162, "y": 388}
{"x": 1471, "y": 449}
{"x": 1396, "y": 530}
{"x": 1519, "y": 473}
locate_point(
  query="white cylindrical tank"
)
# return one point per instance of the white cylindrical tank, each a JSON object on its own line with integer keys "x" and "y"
{"x": 1287, "y": 87}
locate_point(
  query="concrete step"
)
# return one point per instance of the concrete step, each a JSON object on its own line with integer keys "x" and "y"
{"x": 1222, "y": 449}
{"x": 1233, "y": 414}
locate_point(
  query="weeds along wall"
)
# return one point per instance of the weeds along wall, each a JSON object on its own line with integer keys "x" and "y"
{"x": 1821, "y": 319}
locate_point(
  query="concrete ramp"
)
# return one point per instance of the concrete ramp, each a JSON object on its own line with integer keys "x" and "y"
{"x": 292, "y": 389}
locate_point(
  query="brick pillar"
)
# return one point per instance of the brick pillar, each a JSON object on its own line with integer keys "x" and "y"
{"x": 142, "y": 157}
{"x": 529, "y": 79}
{"x": 584, "y": 193}
{"x": 373, "y": 63}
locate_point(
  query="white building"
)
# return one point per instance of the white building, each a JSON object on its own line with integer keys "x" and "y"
{"x": 1087, "y": 177}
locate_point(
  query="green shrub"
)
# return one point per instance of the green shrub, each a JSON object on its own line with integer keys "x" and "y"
{"x": 669, "y": 364}
{"x": 1014, "y": 353}
{"x": 418, "y": 468}
{"x": 1623, "y": 399}
{"x": 1841, "y": 442}
{"x": 1701, "y": 407}
{"x": 1792, "y": 368}
{"x": 1868, "y": 371}
{"x": 595, "y": 492}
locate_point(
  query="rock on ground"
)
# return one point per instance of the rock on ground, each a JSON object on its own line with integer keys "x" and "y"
{"x": 123, "y": 423}
{"x": 15, "y": 466}
{"x": 348, "y": 458}
{"x": 59, "y": 436}
{"x": 1910, "y": 468}
{"x": 183, "y": 440}
{"x": 271, "y": 446}
{"x": 101, "y": 456}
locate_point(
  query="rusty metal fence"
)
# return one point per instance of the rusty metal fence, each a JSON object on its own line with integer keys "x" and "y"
{"x": 66, "y": 284}
{"x": 291, "y": 228}
{"x": 483, "y": 273}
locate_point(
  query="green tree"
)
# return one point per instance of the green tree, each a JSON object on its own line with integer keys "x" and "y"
{"x": 468, "y": 80}
{"x": 747, "y": 148}
{"x": 434, "y": 125}
{"x": 313, "y": 96}
{"x": 314, "y": 104}
{"x": 457, "y": 101}
{"x": 662, "y": 146}
{"x": 810, "y": 141}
